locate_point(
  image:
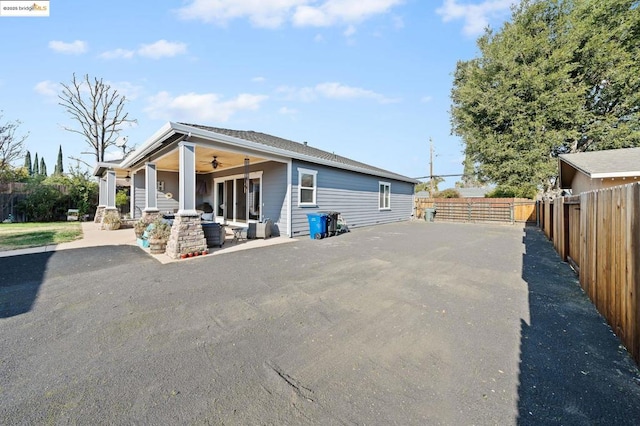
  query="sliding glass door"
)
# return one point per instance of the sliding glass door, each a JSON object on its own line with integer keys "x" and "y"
{"x": 236, "y": 201}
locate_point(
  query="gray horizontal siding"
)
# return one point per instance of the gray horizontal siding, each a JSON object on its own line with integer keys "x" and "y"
{"x": 354, "y": 195}
{"x": 171, "y": 183}
{"x": 138, "y": 194}
{"x": 274, "y": 195}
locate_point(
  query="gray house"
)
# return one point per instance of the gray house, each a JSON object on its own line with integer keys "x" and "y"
{"x": 247, "y": 176}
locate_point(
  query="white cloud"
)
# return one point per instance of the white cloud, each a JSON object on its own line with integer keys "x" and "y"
{"x": 426, "y": 99}
{"x": 332, "y": 12}
{"x": 204, "y": 107}
{"x": 262, "y": 13}
{"x": 332, "y": 90}
{"x": 125, "y": 88}
{"x": 476, "y": 16}
{"x": 258, "y": 79}
{"x": 274, "y": 13}
{"x": 76, "y": 47}
{"x": 117, "y": 53}
{"x": 47, "y": 88}
{"x": 287, "y": 111}
{"x": 398, "y": 22}
{"x": 162, "y": 48}
{"x": 351, "y": 30}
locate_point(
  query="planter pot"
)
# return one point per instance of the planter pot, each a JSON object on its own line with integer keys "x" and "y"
{"x": 157, "y": 246}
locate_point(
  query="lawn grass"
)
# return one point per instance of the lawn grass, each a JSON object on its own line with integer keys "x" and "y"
{"x": 24, "y": 235}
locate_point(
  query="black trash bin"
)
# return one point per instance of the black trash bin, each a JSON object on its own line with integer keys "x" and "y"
{"x": 332, "y": 223}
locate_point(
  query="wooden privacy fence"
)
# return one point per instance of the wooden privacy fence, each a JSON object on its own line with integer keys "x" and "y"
{"x": 598, "y": 233}
{"x": 505, "y": 210}
{"x": 11, "y": 193}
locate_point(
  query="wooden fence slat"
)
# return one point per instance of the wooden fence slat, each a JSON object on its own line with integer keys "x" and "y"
{"x": 599, "y": 231}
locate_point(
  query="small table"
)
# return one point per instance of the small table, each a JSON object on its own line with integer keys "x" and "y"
{"x": 237, "y": 234}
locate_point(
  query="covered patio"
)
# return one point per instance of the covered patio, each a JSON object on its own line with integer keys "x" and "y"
{"x": 191, "y": 175}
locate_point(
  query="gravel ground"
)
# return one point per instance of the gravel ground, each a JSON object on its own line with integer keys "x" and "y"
{"x": 409, "y": 323}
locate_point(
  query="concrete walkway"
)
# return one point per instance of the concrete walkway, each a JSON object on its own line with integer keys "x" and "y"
{"x": 93, "y": 236}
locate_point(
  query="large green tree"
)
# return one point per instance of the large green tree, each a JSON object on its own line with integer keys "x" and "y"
{"x": 36, "y": 166}
{"x": 559, "y": 77}
{"x": 59, "y": 169}
{"x": 27, "y": 163}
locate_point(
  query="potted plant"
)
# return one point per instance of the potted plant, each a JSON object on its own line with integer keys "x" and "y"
{"x": 158, "y": 236}
{"x": 111, "y": 221}
{"x": 139, "y": 227}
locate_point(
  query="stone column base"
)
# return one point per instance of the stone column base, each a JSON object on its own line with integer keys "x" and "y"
{"x": 106, "y": 212}
{"x": 186, "y": 237}
{"x": 99, "y": 214}
{"x": 150, "y": 215}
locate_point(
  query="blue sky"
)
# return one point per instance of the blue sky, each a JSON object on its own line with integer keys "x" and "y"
{"x": 366, "y": 79}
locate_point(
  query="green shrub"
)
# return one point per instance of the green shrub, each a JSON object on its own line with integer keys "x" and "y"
{"x": 505, "y": 191}
{"x": 447, "y": 193}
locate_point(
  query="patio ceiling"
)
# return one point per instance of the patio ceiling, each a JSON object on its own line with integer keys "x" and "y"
{"x": 204, "y": 156}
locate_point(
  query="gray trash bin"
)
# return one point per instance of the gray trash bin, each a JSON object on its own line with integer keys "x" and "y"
{"x": 429, "y": 214}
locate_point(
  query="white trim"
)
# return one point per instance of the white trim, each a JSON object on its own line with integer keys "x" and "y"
{"x": 386, "y": 185}
{"x": 253, "y": 175}
{"x": 289, "y": 203}
{"x": 314, "y": 173}
{"x": 614, "y": 175}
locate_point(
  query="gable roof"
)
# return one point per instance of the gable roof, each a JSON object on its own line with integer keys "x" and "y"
{"x": 612, "y": 163}
{"x": 267, "y": 143}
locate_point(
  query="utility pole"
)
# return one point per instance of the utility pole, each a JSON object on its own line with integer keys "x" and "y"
{"x": 431, "y": 167}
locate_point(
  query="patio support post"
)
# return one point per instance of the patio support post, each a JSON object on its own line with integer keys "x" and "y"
{"x": 186, "y": 233}
{"x": 111, "y": 190}
{"x": 102, "y": 200}
{"x": 110, "y": 197}
{"x": 151, "y": 198}
{"x": 187, "y": 188}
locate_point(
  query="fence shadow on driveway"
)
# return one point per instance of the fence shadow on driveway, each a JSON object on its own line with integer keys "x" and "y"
{"x": 20, "y": 281}
{"x": 573, "y": 369}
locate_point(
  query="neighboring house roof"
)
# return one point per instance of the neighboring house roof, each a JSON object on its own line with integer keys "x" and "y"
{"x": 613, "y": 163}
{"x": 268, "y": 143}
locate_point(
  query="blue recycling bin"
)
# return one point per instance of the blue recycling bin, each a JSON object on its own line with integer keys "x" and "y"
{"x": 317, "y": 225}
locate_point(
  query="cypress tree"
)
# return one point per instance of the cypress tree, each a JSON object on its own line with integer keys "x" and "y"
{"x": 59, "y": 168}
{"x": 36, "y": 166}
{"x": 27, "y": 163}
{"x": 43, "y": 167}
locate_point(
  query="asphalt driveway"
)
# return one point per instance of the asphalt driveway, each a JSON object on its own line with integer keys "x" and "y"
{"x": 410, "y": 323}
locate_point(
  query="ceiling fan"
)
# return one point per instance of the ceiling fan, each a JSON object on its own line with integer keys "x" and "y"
{"x": 214, "y": 163}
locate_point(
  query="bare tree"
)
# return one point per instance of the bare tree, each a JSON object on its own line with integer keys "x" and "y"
{"x": 11, "y": 146}
{"x": 98, "y": 109}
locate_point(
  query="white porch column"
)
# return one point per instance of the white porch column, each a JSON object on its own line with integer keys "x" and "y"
{"x": 132, "y": 195}
{"x": 102, "y": 195}
{"x": 111, "y": 190}
{"x": 102, "y": 200}
{"x": 187, "y": 185}
{"x": 110, "y": 199}
{"x": 186, "y": 233}
{"x": 151, "y": 188}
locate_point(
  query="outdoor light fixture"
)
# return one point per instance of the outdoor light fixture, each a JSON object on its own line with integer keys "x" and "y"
{"x": 215, "y": 163}
{"x": 127, "y": 177}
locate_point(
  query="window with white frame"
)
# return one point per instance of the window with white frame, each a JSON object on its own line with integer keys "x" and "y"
{"x": 385, "y": 196}
{"x": 307, "y": 185}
